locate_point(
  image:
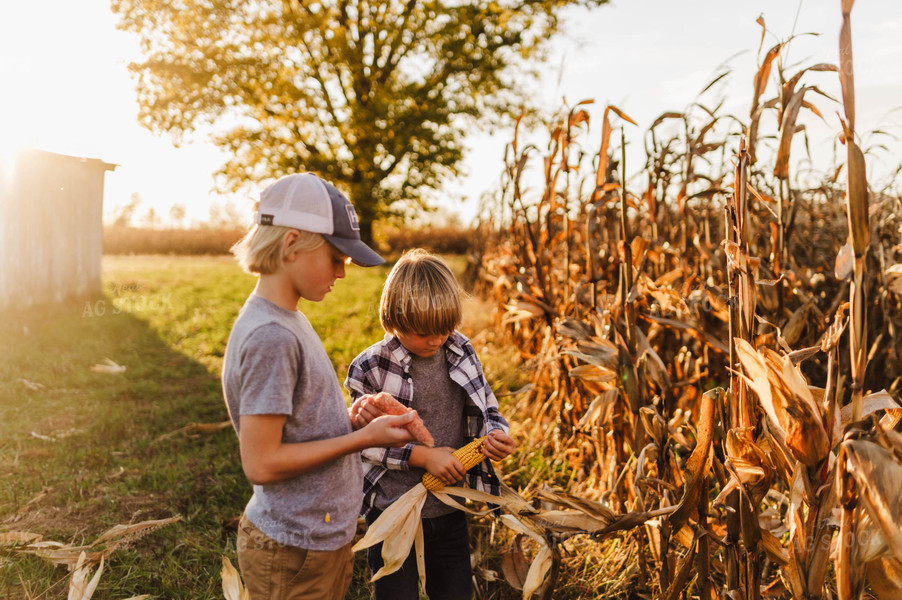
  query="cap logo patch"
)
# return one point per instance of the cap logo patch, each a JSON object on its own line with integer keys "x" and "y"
{"x": 266, "y": 219}
{"x": 352, "y": 217}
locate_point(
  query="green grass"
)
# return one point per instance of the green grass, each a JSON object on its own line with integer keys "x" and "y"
{"x": 86, "y": 444}
{"x": 84, "y": 451}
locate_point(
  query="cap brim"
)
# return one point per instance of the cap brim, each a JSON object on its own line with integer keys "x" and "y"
{"x": 360, "y": 253}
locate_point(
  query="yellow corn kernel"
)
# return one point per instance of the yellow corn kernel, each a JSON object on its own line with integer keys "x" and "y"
{"x": 469, "y": 456}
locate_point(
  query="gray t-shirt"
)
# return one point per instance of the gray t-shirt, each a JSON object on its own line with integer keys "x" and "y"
{"x": 440, "y": 403}
{"x": 275, "y": 364}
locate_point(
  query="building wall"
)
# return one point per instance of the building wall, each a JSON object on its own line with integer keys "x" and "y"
{"x": 52, "y": 231}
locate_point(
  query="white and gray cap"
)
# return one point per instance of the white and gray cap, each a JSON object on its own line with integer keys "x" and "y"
{"x": 306, "y": 202}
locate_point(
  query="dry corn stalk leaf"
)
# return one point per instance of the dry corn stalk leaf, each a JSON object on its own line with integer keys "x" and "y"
{"x": 600, "y": 410}
{"x": 232, "y": 587}
{"x": 568, "y": 521}
{"x": 846, "y": 73}
{"x": 80, "y": 588}
{"x": 881, "y": 400}
{"x": 109, "y": 367}
{"x": 508, "y": 499}
{"x": 787, "y": 400}
{"x": 885, "y": 578}
{"x": 878, "y": 478}
{"x": 196, "y": 429}
{"x": 699, "y": 462}
{"x": 893, "y": 276}
{"x": 857, "y": 198}
{"x": 538, "y": 570}
{"x": 523, "y": 527}
{"x": 844, "y": 261}
{"x": 419, "y": 548}
{"x": 521, "y": 311}
{"x": 117, "y": 537}
{"x": 396, "y": 528}
{"x": 18, "y": 538}
{"x": 592, "y": 373}
{"x": 514, "y": 565}
{"x": 788, "y": 130}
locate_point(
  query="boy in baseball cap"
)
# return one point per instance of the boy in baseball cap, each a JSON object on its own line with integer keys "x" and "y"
{"x": 299, "y": 441}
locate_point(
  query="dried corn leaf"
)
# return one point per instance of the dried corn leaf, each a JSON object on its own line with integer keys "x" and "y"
{"x": 844, "y": 261}
{"x": 699, "y": 462}
{"x": 787, "y": 400}
{"x": 109, "y": 367}
{"x": 881, "y": 400}
{"x": 80, "y": 588}
{"x": 568, "y": 521}
{"x": 18, "y": 538}
{"x": 857, "y": 198}
{"x": 514, "y": 565}
{"x": 846, "y": 73}
{"x": 115, "y": 538}
{"x": 893, "y": 276}
{"x": 508, "y": 499}
{"x": 521, "y": 311}
{"x": 574, "y": 329}
{"x": 523, "y": 527}
{"x": 885, "y": 578}
{"x": 232, "y": 587}
{"x": 592, "y": 373}
{"x": 131, "y": 533}
{"x": 196, "y": 429}
{"x": 392, "y": 519}
{"x": 600, "y": 410}
{"x": 878, "y": 478}
{"x": 396, "y": 528}
{"x": 538, "y": 570}
{"x": 419, "y": 548}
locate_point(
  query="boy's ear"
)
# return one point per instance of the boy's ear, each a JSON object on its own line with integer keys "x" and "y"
{"x": 289, "y": 239}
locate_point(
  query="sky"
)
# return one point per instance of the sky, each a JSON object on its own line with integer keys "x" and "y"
{"x": 66, "y": 87}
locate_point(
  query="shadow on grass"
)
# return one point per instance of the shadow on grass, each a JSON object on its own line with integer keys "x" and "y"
{"x": 82, "y": 451}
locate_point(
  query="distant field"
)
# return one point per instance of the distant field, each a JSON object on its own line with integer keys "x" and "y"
{"x": 83, "y": 451}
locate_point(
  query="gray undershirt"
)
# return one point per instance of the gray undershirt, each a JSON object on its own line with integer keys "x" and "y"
{"x": 440, "y": 403}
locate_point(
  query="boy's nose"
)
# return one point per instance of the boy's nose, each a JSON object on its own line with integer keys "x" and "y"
{"x": 340, "y": 271}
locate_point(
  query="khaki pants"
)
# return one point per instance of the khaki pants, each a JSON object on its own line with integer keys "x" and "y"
{"x": 272, "y": 571}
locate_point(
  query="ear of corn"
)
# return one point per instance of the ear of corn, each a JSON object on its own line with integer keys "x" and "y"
{"x": 469, "y": 456}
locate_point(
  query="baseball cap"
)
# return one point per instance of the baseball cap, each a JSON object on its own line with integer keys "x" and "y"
{"x": 306, "y": 202}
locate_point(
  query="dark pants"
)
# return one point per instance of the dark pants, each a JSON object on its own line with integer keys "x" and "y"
{"x": 449, "y": 575}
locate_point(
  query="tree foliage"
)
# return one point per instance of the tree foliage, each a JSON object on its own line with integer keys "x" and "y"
{"x": 374, "y": 96}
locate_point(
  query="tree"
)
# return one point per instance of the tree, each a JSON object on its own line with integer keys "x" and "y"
{"x": 376, "y": 96}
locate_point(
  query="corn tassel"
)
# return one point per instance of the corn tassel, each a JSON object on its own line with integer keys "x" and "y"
{"x": 469, "y": 456}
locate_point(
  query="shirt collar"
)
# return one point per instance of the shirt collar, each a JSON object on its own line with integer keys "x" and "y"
{"x": 454, "y": 344}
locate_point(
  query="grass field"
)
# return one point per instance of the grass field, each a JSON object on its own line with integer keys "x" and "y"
{"x": 84, "y": 451}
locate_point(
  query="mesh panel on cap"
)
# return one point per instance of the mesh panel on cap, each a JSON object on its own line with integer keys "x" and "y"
{"x": 299, "y": 201}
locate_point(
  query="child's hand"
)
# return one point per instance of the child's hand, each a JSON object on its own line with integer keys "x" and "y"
{"x": 498, "y": 445}
{"x": 389, "y": 430}
{"x": 364, "y": 410}
{"x": 442, "y": 463}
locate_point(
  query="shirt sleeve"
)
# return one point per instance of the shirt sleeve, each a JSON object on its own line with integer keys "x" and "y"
{"x": 359, "y": 383}
{"x": 269, "y": 360}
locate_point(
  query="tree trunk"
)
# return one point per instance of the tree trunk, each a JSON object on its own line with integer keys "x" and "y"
{"x": 366, "y": 232}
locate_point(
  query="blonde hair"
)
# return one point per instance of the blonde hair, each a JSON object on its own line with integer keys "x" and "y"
{"x": 259, "y": 252}
{"x": 420, "y": 296}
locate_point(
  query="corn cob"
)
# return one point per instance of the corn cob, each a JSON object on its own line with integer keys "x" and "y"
{"x": 469, "y": 456}
{"x": 387, "y": 404}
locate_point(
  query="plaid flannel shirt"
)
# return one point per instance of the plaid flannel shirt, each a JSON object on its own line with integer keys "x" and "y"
{"x": 385, "y": 367}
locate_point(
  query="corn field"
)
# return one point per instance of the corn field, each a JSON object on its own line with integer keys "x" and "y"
{"x": 713, "y": 351}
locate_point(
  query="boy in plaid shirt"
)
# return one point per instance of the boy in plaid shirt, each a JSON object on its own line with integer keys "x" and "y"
{"x": 427, "y": 365}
